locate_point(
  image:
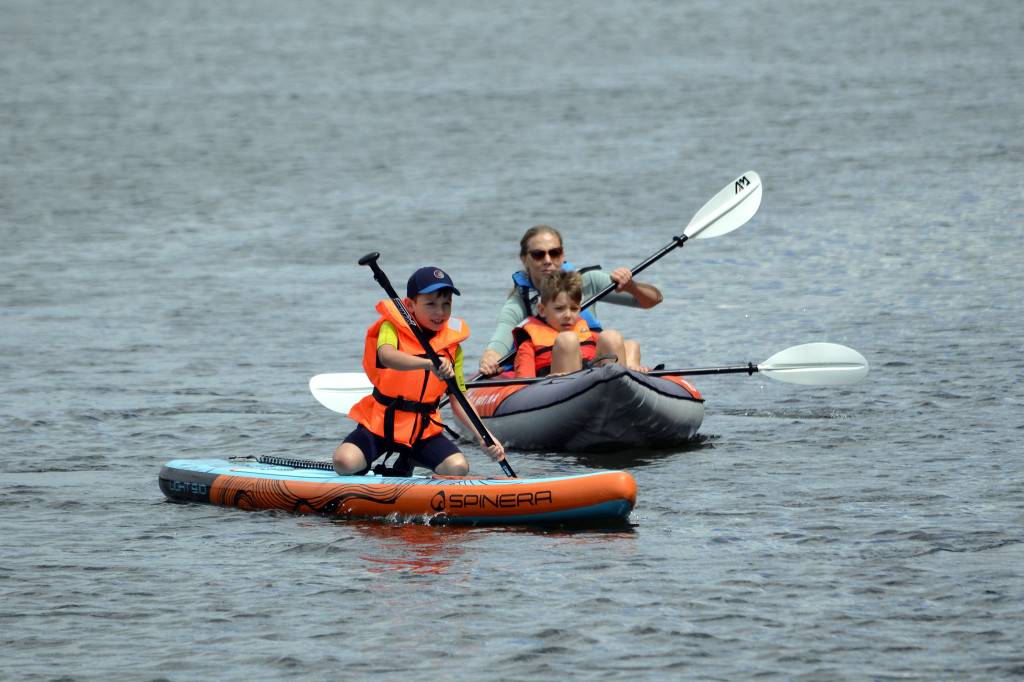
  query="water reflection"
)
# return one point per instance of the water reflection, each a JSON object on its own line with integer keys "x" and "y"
{"x": 413, "y": 548}
{"x": 424, "y": 549}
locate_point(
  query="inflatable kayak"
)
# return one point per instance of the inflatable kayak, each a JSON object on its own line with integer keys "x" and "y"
{"x": 602, "y": 408}
{"x": 293, "y": 486}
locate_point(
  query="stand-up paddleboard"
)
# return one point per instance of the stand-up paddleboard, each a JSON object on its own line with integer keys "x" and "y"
{"x": 291, "y": 485}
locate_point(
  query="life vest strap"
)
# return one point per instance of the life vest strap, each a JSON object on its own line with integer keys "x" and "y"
{"x": 404, "y": 404}
{"x": 393, "y": 405}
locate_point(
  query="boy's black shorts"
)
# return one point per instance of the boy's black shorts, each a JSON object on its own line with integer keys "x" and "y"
{"x": 429, "y": 452}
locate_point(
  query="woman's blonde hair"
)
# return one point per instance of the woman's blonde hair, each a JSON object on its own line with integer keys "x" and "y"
{"x": 533, "y": 232}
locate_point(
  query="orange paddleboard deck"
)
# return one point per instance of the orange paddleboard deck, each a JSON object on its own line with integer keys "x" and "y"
{"x": 604, "y": 497}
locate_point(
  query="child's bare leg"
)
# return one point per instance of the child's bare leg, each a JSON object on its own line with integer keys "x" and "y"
{"x": 453, "y": 465}
{"x": 565, "y": 354}
{"x": 348, "y": 459}
{"x": 632, "y": 354}
{"x": 609, "y": 342}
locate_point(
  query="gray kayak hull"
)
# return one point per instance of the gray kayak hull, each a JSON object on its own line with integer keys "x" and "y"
{"x": 598, "y": 409}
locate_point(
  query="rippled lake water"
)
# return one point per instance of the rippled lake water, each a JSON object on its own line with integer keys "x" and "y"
{"x": 185, "y": 189}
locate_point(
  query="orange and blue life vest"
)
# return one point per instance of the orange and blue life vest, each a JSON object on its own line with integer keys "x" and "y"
{"x": 404, "y": 405}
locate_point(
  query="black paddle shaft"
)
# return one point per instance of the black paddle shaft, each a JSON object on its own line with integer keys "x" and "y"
{"x": 453, "y": 385}
{"x": 748, "y": 369}
{"x": 674, "y": 244}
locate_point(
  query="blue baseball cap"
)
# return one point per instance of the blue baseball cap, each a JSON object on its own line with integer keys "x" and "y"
{"x": 425, "y": 280}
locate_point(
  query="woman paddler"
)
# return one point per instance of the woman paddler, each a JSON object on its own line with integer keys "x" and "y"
{"x": 541, "y": 251}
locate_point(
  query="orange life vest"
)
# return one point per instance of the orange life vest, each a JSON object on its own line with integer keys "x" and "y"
{"x": 543, "y": 337}
{"x": 404, "y": 406}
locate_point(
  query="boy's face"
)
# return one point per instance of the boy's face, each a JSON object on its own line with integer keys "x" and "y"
{"x": 562, "y": 312}
{"x": 432, "y": 311}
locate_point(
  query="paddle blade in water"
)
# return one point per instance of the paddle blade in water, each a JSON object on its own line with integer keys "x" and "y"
{"x": 816, "y": 364}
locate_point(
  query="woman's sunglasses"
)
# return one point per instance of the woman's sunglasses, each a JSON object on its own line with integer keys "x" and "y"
{"x": 538, "y": 254}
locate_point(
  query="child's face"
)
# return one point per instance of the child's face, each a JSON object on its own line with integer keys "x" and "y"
{"x": 432, "y": 311}
{"x": 562, "y": 312}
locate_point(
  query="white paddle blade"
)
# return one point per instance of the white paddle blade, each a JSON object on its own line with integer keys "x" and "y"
{"x": 727, "y": 210}
{"x": 816, "y": 364}
{"x": 340, "y": 392}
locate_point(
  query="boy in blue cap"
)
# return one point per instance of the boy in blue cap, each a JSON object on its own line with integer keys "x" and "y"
{"x": 403, "y": 413}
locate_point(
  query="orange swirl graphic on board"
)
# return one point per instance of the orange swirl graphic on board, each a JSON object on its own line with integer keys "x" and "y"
{"x": 302, "y": 496}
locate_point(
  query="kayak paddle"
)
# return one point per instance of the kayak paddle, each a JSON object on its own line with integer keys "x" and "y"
{"x": 809, "y": 364}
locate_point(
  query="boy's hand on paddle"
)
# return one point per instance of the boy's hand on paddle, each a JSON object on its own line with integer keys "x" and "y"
{"x": 495, "y": 452}
{"x": 444, "y": 370}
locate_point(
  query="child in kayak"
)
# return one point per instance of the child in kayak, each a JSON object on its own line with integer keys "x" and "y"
{"x": 402, "y": 415}
{"x": 558, "y": 340}
{"x": 541, "y": 252}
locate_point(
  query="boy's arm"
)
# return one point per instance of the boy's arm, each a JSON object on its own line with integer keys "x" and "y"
{"x": 393, "y": 358}
{"x": 495, "y": 451}
{"x": 389, "y": 356}
{"x": 460, "y": 378}
{"x": 526, "y": 360}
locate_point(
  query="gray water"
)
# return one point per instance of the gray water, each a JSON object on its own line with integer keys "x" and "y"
{"x": 185, "y": 189}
